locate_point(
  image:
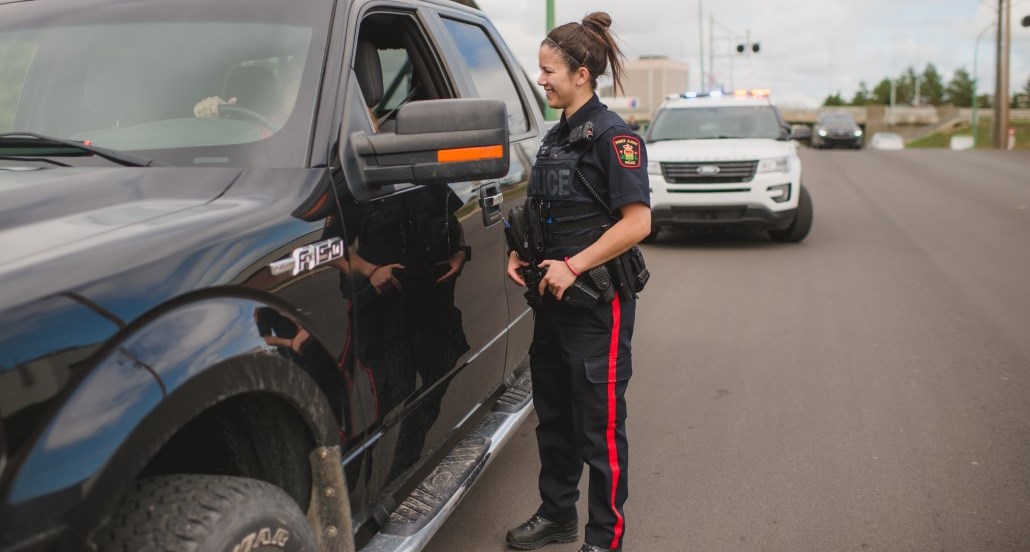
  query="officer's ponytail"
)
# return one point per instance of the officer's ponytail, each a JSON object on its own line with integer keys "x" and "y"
{"x": 589, "y": 44}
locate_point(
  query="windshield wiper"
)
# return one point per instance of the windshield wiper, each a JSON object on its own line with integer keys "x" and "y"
{"x": 32, "y": 160}
{"x": 32, "y": 140}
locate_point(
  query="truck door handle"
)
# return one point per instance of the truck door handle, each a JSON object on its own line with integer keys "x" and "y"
{"x": 491, "y": 201}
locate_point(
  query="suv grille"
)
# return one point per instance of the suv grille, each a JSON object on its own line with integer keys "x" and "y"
{"x": 729, "y": 171}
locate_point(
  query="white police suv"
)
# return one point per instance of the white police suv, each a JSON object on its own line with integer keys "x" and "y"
{"x": 718, "y": 160}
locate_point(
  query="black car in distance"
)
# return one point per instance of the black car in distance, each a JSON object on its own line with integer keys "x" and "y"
{"x": 251, "y": 283}
{"x": 837, "y": 129}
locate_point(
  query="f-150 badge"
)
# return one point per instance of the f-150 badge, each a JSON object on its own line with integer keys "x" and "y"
{"x": 308, "y": 257}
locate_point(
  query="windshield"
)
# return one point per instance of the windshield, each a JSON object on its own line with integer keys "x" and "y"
{"x": 700, "y": 123}
{"x": 185, "y": 82}
{"x": 836, "y": 119}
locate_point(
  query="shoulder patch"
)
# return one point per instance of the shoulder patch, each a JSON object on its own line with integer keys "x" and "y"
{"x": 627, "y": 149}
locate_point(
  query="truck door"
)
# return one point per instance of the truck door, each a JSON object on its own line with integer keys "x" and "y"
{"x": 492, "y": 72}
{"x": 425, "y": 265}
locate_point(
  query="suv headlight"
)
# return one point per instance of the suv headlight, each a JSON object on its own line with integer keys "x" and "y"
{"x": 780, "y": 164}
{"x": 822, "y": 132}
{"x": 654, "y": 167}
{"x": 858, "y": 133}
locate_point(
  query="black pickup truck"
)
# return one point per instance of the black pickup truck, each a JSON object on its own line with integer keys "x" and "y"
{"x": 252, "y": 291}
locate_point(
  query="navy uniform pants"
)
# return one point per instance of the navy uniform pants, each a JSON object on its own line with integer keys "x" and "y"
{"x": 581, "y": 364}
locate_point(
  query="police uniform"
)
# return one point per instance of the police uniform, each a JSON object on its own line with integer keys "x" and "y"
{"x": 580, "y": 357}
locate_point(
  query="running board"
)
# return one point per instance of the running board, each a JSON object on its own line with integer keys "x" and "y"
{"x": 421, "y": 515}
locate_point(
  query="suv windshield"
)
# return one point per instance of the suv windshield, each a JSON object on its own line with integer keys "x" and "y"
{"x": 836, "y": 119}
{"x": 151, "y": 76}
{"x": 700, "y": 123}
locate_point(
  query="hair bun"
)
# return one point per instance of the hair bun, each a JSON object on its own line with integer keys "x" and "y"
{"x": 599, "y": 21}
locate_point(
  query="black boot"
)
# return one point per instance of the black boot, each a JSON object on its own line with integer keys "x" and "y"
{"x": 587, "y": 547}
{"x": 539, "y": 531}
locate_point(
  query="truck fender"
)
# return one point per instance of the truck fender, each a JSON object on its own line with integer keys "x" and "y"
{"x": 145, "y": 387}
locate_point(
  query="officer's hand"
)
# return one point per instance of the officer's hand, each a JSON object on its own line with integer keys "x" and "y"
{"x": 382, "y": 278}
{"x": 514, "y": 264}
{"x": 454, "y": 266}
{"x": 557, "y": 279}
{"x": 208, "y": 107}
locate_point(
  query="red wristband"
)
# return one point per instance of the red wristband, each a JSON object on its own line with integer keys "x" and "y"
{"x": 570, "y": 267}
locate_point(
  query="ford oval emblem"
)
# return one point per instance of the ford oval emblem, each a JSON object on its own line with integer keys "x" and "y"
{"x": 708, "y": 170}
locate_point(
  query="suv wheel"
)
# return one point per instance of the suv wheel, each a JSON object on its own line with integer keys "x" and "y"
{"x": 206, "y": 513}
{"x": 802, "y": 221}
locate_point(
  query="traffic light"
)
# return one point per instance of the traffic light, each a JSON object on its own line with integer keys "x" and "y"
{"x": 755, "y": 47}
{"x": 740, "y": 48}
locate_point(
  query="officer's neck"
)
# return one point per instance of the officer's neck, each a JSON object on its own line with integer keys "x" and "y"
{"x": 577, "y": 103}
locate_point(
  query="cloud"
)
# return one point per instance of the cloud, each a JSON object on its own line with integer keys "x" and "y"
{"x": 809, "y": 48}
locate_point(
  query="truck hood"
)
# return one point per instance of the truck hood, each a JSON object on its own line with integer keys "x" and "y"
{"x": 47, "y": 214}
{"x": 718, "y": 150}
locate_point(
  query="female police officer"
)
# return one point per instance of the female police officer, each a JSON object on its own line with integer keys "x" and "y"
{"x": 580, "y": 357}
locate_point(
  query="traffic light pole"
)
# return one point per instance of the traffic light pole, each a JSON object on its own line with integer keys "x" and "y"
{"x": 549, "y": 113}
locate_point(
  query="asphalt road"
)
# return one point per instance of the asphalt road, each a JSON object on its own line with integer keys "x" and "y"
{"x": 868, "y": 389}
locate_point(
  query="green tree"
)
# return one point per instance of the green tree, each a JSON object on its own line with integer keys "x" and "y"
{"x": 1026, "y": 87}
{"x": 959, "y": 91}
{"x": 862, "y": 95}
{"x": 882, "y": 93}
{"x": 931, "y": 88}
{"x": 905, "y": 89}
{"x": 834, "y": 100}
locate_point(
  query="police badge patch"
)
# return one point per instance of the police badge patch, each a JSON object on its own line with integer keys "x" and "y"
{"x": 627, "y": 149}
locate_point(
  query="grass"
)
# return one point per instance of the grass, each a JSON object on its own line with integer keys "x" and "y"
{"x": 983, "y": 135}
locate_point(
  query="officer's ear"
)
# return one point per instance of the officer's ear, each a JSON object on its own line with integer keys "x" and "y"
{"x": 582, "y": 75}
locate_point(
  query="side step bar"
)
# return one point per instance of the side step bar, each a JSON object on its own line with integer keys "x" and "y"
{"x": 422, "y": 514}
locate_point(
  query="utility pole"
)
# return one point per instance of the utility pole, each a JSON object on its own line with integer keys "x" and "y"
{"x": 976, "y": 81}
{"x": 1001, "y": 86}
{"x": 701, "y": 40}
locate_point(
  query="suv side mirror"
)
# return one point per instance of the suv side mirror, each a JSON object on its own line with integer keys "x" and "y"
{"x": 435, "y": 142}
{"x": 800, "y": 132}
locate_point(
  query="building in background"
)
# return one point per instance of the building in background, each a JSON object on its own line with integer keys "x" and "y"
{"x": 648, "y": 80}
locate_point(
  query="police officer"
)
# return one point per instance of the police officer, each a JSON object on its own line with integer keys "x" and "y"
{"x": 580, "y": 357}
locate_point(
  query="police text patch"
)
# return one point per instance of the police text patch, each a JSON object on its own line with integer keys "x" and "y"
{"x": 627, "y": 149}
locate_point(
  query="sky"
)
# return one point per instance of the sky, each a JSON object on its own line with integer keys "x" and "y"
{"x": 809, "y": 48}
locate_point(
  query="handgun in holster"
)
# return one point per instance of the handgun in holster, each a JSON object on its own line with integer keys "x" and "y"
{"x": 524, "y": 232}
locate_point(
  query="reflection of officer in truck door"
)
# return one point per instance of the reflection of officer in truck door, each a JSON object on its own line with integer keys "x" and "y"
{"x": 580, "y": 356}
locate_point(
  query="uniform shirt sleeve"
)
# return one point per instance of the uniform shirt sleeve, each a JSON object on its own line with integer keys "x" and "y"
{"x": 623, "y": 157}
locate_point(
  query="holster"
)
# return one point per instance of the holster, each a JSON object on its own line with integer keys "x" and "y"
{"x": 629, "y": 273}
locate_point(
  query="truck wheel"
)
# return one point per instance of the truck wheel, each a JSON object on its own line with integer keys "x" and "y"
{"x": 802, "y": 221}
{"x": 206, "y": 513}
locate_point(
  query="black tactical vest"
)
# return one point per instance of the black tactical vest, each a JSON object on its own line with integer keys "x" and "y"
{"x": 571, "y": 218}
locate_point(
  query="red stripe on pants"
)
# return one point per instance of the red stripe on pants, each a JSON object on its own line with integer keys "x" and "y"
{"x": 613, "y": 453}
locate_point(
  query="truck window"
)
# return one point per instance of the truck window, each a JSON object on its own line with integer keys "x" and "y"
{"x": 394, "y": 65}
{"x": 489, "y": 72}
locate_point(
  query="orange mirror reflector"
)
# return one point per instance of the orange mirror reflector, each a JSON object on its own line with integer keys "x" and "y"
{"x": 457, "y": 155}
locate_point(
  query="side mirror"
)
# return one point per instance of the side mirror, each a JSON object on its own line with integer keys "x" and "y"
{"x": 435, "y": 142}
{"x": 800, "y": 132}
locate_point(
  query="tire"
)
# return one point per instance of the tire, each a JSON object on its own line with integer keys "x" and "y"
{"x": 206, "y": 513}
{"x": 798, "y": 229}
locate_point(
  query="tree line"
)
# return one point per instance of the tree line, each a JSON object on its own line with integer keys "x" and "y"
{"x": 932, "y": 91}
